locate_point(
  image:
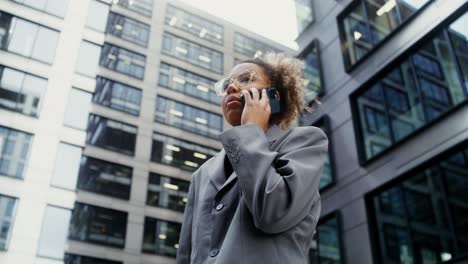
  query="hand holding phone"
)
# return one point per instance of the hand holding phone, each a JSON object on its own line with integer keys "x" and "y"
{"x": 272, "y": 96}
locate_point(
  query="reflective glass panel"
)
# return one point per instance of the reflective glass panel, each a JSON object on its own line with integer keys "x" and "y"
{"x": 167, "y": 192}
{"x": 161, "y": 237}
{"x": 7, "y": 213}
{"x": 328, "y": 241}
{"x": 459, "y": 35}
{"x": 117, "y": 96}
{"x": 304, "y": 14}
{"x": 123, "y": 61}
{"x": 144, "y": 7}
{"x": 128, "y": 29}
{"x": 251, "y": 47}
{"x": 312, "y": 73}
{"x": 14, "y": 150}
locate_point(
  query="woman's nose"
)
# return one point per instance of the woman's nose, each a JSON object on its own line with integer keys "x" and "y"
{"x": 232, "y": 89}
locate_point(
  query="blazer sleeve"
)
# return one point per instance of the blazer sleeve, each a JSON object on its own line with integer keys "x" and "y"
{"x": 185, "y": 240}
{"x": 279, "y": 188}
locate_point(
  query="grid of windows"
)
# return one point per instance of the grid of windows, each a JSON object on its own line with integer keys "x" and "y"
{"x": 98, "y": 225}
{"x": 187, "y": 117}
{"x": 179, "y": 153}
{"x": 97, "y": 15}
{"x": 123, "y": 61}
{"x": 192, "y": 53}
{"x": 161, "y": 237}
{"x": 424, "y": 216}
{"x": 304, "y": 14}
{"x": 21, "y": 92}
{"x": 128, "y": 29}
{"x": 419, "y": 89}
{"x": 367, "y": 23}
{"x": 7, "y": 212}
{"x": 251, "y": 47}
{"x": 328, "y": 240}
{"x": 117, "y": 96}
{"x": 14, "y": 150}
{"x": 312, "y": 72}
{"x": 111, "y": 135}
{"x": 194, "y": 24}
{"x": 167, "y": 192}
{"x": 77, "y": 259}
{"x": 143, "y": 7}
{"x": 105, "y": 178}
{"x": 53, "y": 7}
{"x": 188, "y": 83}
{"x": 27, "y": 39}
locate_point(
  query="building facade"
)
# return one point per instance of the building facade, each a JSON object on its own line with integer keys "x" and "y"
{"x": 106, "y": 108}
{"x": 392, "y": 78}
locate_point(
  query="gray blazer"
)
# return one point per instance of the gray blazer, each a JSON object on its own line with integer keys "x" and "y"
{"x": 267, "y": 209}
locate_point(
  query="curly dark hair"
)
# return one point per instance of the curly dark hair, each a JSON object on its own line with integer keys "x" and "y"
{"x": 285, "y": 74}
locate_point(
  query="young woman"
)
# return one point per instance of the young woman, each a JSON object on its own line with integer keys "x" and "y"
{"x": 257, "y": 200}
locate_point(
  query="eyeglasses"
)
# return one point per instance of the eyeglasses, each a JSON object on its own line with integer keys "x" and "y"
{"x": 240, "y": 80}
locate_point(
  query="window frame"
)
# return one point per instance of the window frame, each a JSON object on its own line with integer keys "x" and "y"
{"x": 441, "y": 28}
{"x": 324, "y": 122}
{"x": 339, "y": 221}
{"x": 13, "y": 216}
{"x": 145, "y": 251}
{"x": 315, "y": 43}
{"x": 104, "y": 57}
{"x": 95, "y": 94}
{"x": 28, "y": 155}
{"x": 116, "y": 16}
{"x": 342, "y": 34}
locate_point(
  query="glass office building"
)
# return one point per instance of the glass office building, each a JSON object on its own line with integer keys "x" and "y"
{"x": 106, "y": 109}
{"x": 392, "y": 77}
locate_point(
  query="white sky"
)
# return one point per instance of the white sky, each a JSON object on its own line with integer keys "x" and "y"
{"x": 274, "y": 19}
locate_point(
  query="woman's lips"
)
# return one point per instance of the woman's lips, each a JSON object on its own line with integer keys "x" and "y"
{"x": 233, "y": 100}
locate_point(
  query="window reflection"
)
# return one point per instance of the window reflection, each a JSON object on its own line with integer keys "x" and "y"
{"x": 128, "y": 29}
{"x": 161, "y": 237}
{"x": 312, "y": 72}
{"x": 369, "y": 22}
{"x": 14, "y": 150}
{"x": 304, "y": 14}
{"x": 117, "y": 96}
{"x": 123, "y": 61}
{"x": 7, "y": 211}
{"x": 192, "y": 53}
{"x": 251, "y": 47}
{"x": 328, "y": 240}
{"x": 187, "y": 117}
{"x": 27, "y": 39}
{"x": 105, "y": 178}
{"x": 179, "y": 153}
{"x": 98, "y": 225}
{"x": 144, "y": 7}
{"x": 415, "y": 218}
{"x": 111, "y": 134}
{"x": 188, "y": 83}
{"x": 167, "y": 192}
{"x": 21, "y": 92}
{"x": 193, "y": 24}
{"x": 409, "y": 95}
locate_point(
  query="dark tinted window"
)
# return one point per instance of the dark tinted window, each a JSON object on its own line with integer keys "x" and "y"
{"x": 117, "y": 96}
{"x": 111, "y": 134}
{"x": 167, "y": 192}
{"x": 161, "y": 237}
{"x": 312, "y": 72}
{"x": 98, "y": 225}
{"x": 328, "y": 241}
{"x": 105, "y": 178}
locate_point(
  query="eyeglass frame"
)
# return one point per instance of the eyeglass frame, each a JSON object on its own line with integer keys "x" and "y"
{"x": 219, "y": 87}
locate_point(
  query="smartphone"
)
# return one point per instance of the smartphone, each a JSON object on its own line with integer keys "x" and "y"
{"x": 272, "y": 96}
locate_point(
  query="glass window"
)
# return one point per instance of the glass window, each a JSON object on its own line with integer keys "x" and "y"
{"x": 312, "y": 72}
{"x": 167, "y": 192}
{"x": 117, "y": 96}
{"x": 97, "y": 15}
{"x": 77, "y": 259}
{"x": 53, "y": 7}
{"x": 14, "y": 150}
{"x": 304, "y": 14}
{"x": 459, "y": 36}
{"x": 161, "y": 237}
{"x": 111, "y": 135}
{"x": 367, "y": 23}
{"x": 7, "y": 212}
{"x": 105, "y": 178}
{"x": 327, "y": 178}
{"x": 188, "y": 83}
{"x": 192, "y": 53}
{"x": 193, "y": 24}
{"x": 179, "y": 153}
{"x": 27, "y": 39}
{"x": 21, "y": 92}
{"x": 423, "y": 217}
{"x": 187, "y": 117}
{"x": 54, "y": 232}
{"x": 124, "y": 61}
{"x": 423, "y": 86}
{"x": 67, "y": 163}
{"x": 128, "y": 29}
{"x": 328, "y": 240}
{"x": 76, "y": 114}
{"x": 98, "y": 225}
{"x": 251, "y": 47}
{"x": 144, "y": 7}
{"x": 88, "y": 58}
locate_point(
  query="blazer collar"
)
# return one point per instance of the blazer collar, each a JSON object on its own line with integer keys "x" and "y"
{"x": 216, "y": 171}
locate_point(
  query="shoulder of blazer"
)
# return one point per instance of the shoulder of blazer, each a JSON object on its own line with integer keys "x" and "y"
{"x": 301, "y": 136}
